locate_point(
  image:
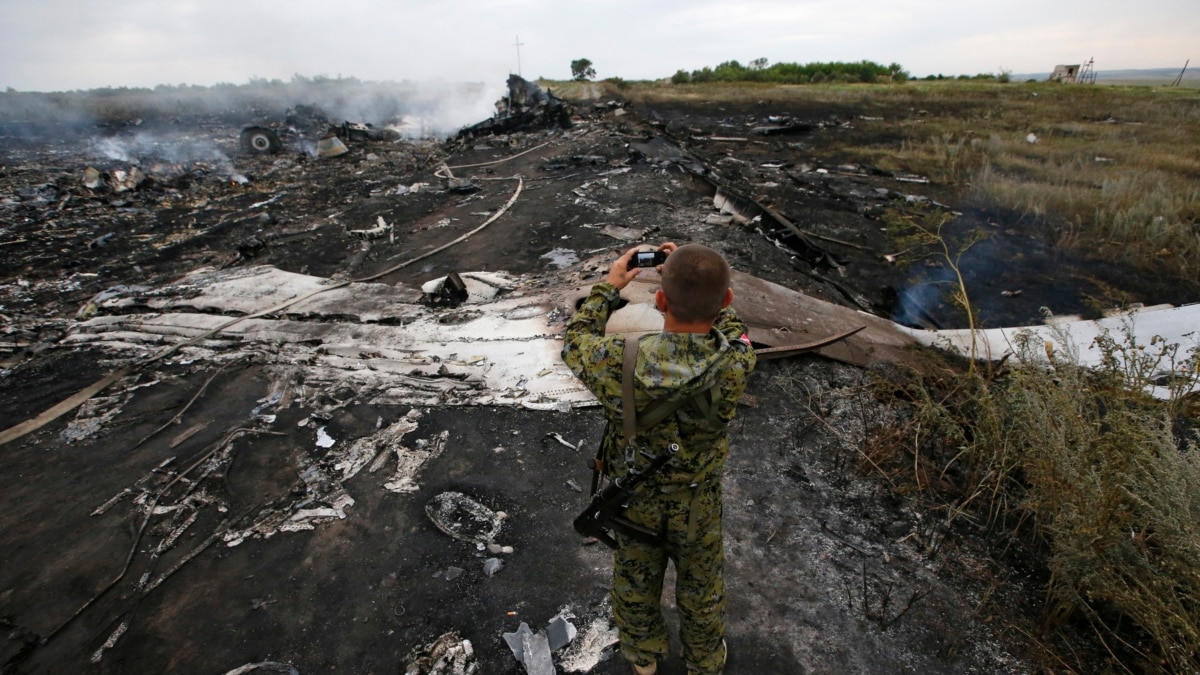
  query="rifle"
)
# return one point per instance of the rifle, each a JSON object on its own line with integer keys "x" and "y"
{"x": 602, "y": 518}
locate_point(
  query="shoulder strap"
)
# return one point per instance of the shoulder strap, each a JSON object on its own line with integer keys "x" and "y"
{"x": 628, "y": 411}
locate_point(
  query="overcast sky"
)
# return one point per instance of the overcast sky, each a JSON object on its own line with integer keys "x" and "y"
{"x": 50, "y": 45}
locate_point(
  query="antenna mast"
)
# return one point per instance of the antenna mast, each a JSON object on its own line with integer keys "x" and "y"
{"x": 518, "y": 44}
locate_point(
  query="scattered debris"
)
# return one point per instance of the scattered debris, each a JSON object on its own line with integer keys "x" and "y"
{"x": 782, "y": 129}
{"x": 562, "y": 440}
{"x": 370, "y": 347}
{"x": 324, "y": 440}
{"x": 492, "y": 565}
{"x": 463, "y": 518}
{"x": 561, "y": 258}
{"x": 527, "y": 106}
{"x": 381, "y": 229}
{"x": 560, "y": 633}
{"x": 595, "y": 644}
{"x": 624, "y": 233}
{"x": 409, "y": 461}
{"x": 449, "y": 654}
{"x": 531, "y": 649}
{"x": 331, "y": 146}
{"x": 269, "y": 666}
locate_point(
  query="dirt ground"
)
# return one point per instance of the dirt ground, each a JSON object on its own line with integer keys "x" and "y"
{"x": 827, "y": 570}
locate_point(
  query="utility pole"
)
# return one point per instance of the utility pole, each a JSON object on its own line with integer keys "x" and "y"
{"x": 1179, "y": 77}
{"x": 518, "y": 44}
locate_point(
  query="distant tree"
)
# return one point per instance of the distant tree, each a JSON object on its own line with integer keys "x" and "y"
{"x": 898, "y": 74}
{"x": 581, "y": 69}
{"x": 759, "y": 64}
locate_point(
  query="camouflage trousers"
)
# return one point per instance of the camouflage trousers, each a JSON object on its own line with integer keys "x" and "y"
{"x": 690, "y": 520}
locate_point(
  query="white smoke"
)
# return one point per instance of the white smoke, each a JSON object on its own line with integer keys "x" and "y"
{"x": 145, "y": 148}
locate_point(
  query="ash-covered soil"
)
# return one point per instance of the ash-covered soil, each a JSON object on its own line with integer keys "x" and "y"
{"x": 828, "y": 571}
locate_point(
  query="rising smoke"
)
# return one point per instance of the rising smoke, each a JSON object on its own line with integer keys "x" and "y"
{"x": 427, "y": 110}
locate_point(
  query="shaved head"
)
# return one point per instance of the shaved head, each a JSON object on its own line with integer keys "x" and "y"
{"x": 695, "y": 279}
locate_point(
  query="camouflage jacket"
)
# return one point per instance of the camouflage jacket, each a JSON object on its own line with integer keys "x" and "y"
{"x": 669, "y": 365}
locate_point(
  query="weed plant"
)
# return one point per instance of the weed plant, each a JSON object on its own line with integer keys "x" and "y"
{"x": 1105, "y": 477}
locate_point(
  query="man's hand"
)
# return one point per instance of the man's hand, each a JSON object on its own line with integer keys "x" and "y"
{"x": 620, "y": 274}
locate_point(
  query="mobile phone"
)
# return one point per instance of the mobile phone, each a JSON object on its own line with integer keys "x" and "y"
{"x": 647, "y": 259}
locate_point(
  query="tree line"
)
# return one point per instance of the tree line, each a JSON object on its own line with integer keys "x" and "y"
{"x": 795, "y": 73}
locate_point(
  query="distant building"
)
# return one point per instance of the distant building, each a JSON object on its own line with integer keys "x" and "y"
{"x": 1064, "y": 74}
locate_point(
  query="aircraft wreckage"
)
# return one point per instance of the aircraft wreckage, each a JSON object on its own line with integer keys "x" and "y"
{"x": 438, "y": 344}
{"x": 500, "y": 346}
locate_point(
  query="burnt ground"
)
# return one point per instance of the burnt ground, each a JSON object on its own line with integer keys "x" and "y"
{"x": 828, "y": 570}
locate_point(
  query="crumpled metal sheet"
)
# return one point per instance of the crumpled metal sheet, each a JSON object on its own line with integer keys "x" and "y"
{"x": 366, "y": 336}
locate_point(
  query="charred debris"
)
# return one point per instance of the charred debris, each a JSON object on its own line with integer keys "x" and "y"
{"x": 127, "y": 255}
{"x": 83, "y": 212}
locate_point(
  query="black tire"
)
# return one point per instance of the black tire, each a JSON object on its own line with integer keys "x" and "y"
{"x": 260, "y": 141}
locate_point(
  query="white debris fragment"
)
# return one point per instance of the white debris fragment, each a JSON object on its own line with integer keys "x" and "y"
{"x": 585, "y": 654}
{"x": 560, "y": 632}
{"x": 409, "y": 462}
{"x": 111, "y": 500}
{"x": 324, "y": 440}
{"x": 266, "y": 666}
{"x": 381, "y": 229}
{"x": 624, "y": 233}
{"x": 560, "y": 258}
{"x": 309, "y": 514}
{"x": 492, "y": 565}
{"x": 447, "y": 655}
{"x": 92, "y": 416}
{"x": 535, "y": 652}
{"x": 266, "y": 402}
{"x": 562, "y": 440}
{"x": 482, "y": 287}
{"x": 365, "y": 451}
{"x": 112, "y": 640}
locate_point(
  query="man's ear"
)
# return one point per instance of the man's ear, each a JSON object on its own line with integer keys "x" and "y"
{"x": 660, "y": 300}
{"x": 728, "y": 298}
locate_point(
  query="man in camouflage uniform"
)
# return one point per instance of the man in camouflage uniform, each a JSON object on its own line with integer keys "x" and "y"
{"x": 703, "y": 350}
